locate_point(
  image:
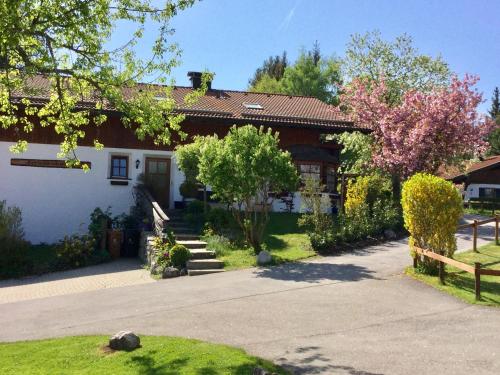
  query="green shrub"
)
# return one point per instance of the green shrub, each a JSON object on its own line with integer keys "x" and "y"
{"x": 432, "y": 208}
{"x": 218, "y": 243}
{"x": 161, "y": 248}
{"x": 219, "y": 220}
{"x": 369, "y": 210}
{"x": 75, "y": 251}
{"x": 316, "y": 221}
{"x": 194, "y": 214}
{"x": 323, "y": 243}
{"x": 14, "y": 259}
{"x": 367, "y": 190}
{"x": 99, "y": 222}
{"x": 179, "y": 255}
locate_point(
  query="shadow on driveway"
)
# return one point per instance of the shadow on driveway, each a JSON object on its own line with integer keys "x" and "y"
{"x": 316, "y": 272}
{"x": 313, "y": 362}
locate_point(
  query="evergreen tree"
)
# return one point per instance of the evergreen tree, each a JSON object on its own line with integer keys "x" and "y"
{"x": 495, "y": 104}
{"x": 274, "y": 67}
{"x": 311, "y": 74}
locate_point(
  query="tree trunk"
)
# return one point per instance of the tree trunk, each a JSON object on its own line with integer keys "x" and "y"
{"x": 396, "y": 189}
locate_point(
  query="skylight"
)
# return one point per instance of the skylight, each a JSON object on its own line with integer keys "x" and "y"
{"x": 253, "y": 106}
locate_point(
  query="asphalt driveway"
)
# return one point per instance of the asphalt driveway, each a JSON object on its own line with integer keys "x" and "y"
{"x": 351, "y": 314}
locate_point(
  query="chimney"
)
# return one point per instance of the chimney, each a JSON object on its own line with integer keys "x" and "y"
{"x": 195, "y": 78}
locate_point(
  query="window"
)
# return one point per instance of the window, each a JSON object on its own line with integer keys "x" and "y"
{"x": 119, "y": 167}
{"x": 331, "y": 179}
{"x": 253, "y": 106}
{"x": 310, "y": 171}
{"x": 489, "y": 193}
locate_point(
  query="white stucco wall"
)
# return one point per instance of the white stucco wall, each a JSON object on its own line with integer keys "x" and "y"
{"x": 56, "y": 202}
{"x": 473, "y": 190}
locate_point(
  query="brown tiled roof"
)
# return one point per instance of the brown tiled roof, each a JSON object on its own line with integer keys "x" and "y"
{"x": 483, "y": 164}
{"x": 304, "y": 111}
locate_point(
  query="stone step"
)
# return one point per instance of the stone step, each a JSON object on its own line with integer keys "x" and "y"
{"x": 204, "y": 264}
{"x": 186, "y": 236}
{"x": 203, "y": 272}
{"x": 202, "y": 254}
{"x": 193, "y": 244}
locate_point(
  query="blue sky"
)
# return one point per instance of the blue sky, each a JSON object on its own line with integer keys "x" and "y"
{"x": 233, "y": 37}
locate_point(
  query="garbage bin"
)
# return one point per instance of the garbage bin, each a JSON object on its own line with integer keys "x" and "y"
{"x": 130, "y": 245}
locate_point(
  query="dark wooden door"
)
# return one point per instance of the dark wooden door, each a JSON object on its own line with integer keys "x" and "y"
{"x": 158, "y": 179}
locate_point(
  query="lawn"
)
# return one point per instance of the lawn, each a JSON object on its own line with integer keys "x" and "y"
{"x": 158, "y": 355}
{"x": 283, "y": 239}
{"x": 461, "y": 284}
{"x": 478, "y": 210}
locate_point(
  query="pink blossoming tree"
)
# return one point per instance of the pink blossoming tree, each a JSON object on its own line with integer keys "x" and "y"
{"x": 424, "y": 129}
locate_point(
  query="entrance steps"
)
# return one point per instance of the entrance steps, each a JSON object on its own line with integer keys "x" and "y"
{"x": 202, "y": 261}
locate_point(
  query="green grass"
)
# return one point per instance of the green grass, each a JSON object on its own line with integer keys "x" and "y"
{"x": 461, "y": 284}
{"x": 478, "y": 210}
{"x": 283, "y": 239}
{"x": 158, "y": 355}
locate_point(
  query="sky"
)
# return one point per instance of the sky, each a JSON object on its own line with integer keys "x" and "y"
{"x": 233, "y": 37}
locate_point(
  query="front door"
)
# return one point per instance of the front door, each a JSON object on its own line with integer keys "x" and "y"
{"x": 158, "y": 179}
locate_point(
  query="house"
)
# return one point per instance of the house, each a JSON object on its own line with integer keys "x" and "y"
{"x": 56, "y": 201}
{"x": 481, "y": 179}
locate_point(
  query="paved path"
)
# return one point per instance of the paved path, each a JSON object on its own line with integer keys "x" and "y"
{"x": 351, "y": 314}
{"x": 122, "y": 272}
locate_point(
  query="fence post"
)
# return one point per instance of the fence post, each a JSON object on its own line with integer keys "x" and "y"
{"x": 441, "y": 269}
{"x": 496, "y": 229}
{"x": 415, "y": 261}
{"x": 474, "y": 234}
{"x": 477, "y": 277}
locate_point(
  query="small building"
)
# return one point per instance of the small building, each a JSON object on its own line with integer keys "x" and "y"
{"x": 57, "y": 201}
{"x": 481, "y": 179}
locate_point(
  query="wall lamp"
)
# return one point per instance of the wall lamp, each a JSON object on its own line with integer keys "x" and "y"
{"x": 137, "y": 163}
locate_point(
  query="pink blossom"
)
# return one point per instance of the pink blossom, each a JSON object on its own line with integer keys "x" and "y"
{"x": 425, "y": 129}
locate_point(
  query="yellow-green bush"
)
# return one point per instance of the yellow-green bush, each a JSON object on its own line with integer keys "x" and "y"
{"x": 432, "y": 207}
{"x": 365, "y": 191}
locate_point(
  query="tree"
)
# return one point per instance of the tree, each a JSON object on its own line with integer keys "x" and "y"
{"x": 356, "y": 153}
{"x": 65, "y": 43}
{"x": 495, "y": 105}
{"x": 398, "y": 62}
{"x": 242, "y": 169}
{"x": 187, "y": 157}
{"x": 425, "y": 130}
{"x": 494, "y": 141}
{"x": 274, "y": 67}
{"x": 311, "y": 75}
{"x": 267, "y": 84}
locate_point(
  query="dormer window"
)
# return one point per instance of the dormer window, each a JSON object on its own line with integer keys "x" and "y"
{"x": 253, "y": 106}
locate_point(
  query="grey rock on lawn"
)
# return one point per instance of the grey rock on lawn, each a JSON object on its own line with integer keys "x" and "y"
{"x": 124, "y": 340}
{"x": 264, "y": 258}
{"x": 169, "y": 272}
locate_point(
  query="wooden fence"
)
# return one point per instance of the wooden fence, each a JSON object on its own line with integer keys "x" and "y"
{"x": 476, "y": 223}
{"x": 476, "y": 270}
